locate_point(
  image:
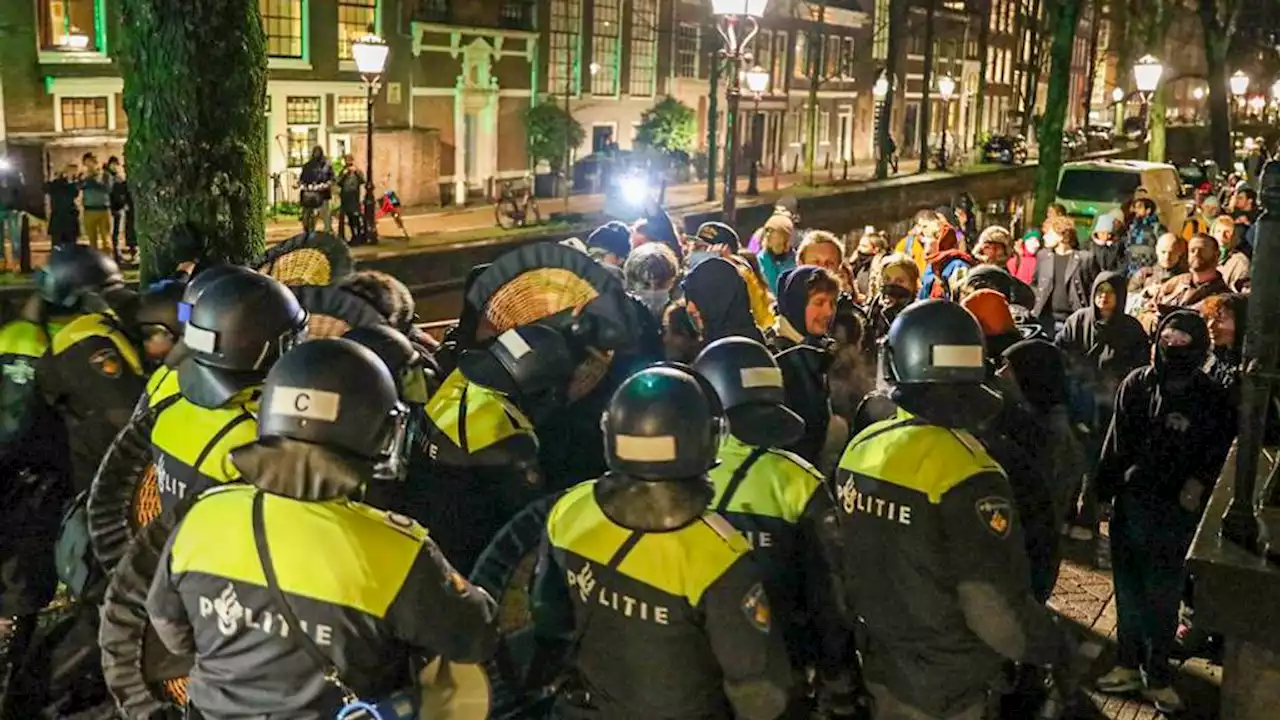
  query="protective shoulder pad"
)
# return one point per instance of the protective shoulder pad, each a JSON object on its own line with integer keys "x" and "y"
{"x": 731, "y": 537}
{"x": 404, "y": 525}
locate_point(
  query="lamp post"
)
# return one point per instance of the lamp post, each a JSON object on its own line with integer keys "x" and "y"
{"x": 1117, "y": 97}
{"x": 946, "y": 88}
{"x": 370, "y": 54}
{"x": 1239, "y": 83}
{"x": 1275, "y": 96}
{"x": 757, "y": 79}
{"x": 880, "y": 91}
{"x": 1146, "y": 75}
{"x": 731, "y": 13}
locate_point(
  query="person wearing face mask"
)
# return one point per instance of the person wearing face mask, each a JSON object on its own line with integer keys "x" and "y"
{"x": 651, "y": 271}
{"x": 1144, "y": 285}
{"x": 1191, "y": 288}
{"x": 872, "y": 247}
{"x": 610, "y": 244}
{"x": 919, "y": 242}
{"x": 480, "y": 436}
{"x": 1023, "y": 263}
{"x": 1170, "y": 434}
{"x": 807, "y": 306}
{"x": 718, "y": 302}
{"x": 892, "y": 290}
{"x": 1061, "y": 284}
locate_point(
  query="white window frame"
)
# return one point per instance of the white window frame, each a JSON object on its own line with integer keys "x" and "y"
{"x": 350, "y": 65}
{"x": 304, "y": 62}
{"x": 99, "y": 56}
{"x": 111, "y": 111}
{"x": 824, "y": 127}
{"x": 639, "y": 42}
{"x": 89, "y": 87}
{"x": 697, "y": 50}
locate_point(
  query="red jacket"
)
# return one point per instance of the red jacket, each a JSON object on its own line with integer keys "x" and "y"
{"x": 1023, "y": 265}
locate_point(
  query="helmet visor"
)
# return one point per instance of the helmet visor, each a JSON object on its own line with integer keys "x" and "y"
{"x": 392, "y": 462}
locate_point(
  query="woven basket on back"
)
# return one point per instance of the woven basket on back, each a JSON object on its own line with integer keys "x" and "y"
{"x": 307, "y": 259}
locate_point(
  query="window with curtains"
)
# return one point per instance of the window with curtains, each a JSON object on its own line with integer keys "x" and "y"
{"x": 644, "y": 47}
{"x": 687, "y": 50}
{"x": 563, "y": 65}
{"x": 832, "y": 61}
{"x": 84, "y": 113}
{"x": 779, "y": 69}
{"x": 606, "y": 36}
{"x": 764, "y": 50}
{"x": 355, "y": 17}
{"x": 68, "y": 25}
{"x": 282, "y": 22}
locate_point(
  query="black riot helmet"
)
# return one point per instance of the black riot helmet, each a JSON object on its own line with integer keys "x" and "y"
{"x": 238, "y": 328}
{"x": 202, "y": 282}
{"x": 662, "y": 425}
{"x": 74, "y": 271}
{"x": 935, "y": 358}
{"x": 522, "y": 363}
{"x": 338, "y": 394}
{"x": 749, "y": 384}
{"x": 158, "y": 309}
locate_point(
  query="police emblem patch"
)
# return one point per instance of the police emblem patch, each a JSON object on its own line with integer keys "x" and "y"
{"x": 997, "y": 514}
{"x": 107, "y": 363}
{"x": 755, "y": 605}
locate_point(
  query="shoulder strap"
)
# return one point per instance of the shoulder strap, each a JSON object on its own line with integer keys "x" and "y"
{"x": 242, "y": 417}
{"x": 738, "y": 476}
{"x": 277, "y": 595}
{"x": 462, "y": 421}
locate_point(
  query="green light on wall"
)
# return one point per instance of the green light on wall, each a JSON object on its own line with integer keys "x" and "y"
{"x": 100, "y": 25}
{"x": 48, "y": 84}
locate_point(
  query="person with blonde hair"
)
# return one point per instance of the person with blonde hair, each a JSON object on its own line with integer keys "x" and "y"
{"x": 864, "y": 261}
{"x": 892, "y": 290}
{"x": 824, "y": 249}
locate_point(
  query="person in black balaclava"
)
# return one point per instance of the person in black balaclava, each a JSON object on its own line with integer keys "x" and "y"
{"x": 1102, "y": 346}
{"x": 806, "y": 307}
{"x": 1170, "y": 434}
{"x": 717, "y": 302}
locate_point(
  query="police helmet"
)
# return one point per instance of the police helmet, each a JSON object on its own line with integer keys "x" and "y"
{"x": 748, "y": 382}
{"x": 661, "y": 424}
{"x": 522, "y": 362}
{"x": 238, "y": 328}
{"x": 390, "y": 345}
{"x": 73, "y": 271}
{"x": 158, "y": 309}
{"x": 935, "y": 358}
{"x": 202, "y": 282}
{"x": 335, "y": 393}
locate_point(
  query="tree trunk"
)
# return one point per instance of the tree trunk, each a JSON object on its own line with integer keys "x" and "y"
{"x": 1095, "y": 18}
{"x": 1157, "y": 119}
{"x": 1217, "y": 41}
{"x": 195, "y": 89}
{"x": 893, "y": 67}
{"x": 1034, "y": 26}
{"x": 984, "y": 41}
{"x": 926, "y": 100}
{"x": 1064, "y": 15}
{"x": 817, "y": 58}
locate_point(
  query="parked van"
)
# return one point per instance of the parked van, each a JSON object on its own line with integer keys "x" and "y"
{"x": 1095, "y": 187}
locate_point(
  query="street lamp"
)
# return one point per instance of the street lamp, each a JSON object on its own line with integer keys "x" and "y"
{"x": 1146, "y": 75}
{"x": 370, "y": 54}
{"x": 946, "y": 88}
{"x": 729, "y": 14}
{"x": 1239, "y": 83}
{"x": 757, "y": 79}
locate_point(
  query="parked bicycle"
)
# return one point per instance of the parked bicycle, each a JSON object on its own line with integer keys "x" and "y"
{"x": 515, "y": 206}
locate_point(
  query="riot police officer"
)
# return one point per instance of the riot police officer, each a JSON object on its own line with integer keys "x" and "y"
{"x": 280, "y": 639}
{"x": 481, "y": 441}
{"x": 779, "y": 502}
{"x": 934, "y": 554}
{"x": 668, "y": 613}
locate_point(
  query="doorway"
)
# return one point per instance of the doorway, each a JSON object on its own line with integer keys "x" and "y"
{"x": 844, "y": 138}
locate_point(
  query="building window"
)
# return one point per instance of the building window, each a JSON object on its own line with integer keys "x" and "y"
{"x": 801, "y": 66}
{"x": 606, "y": 33}
{"x": 763, "y": 50}
{"x": 282, "y": 22}
{"x": 832, "y": 61}
{"x": 824, "y": 127}
{"x": 84, "y": 113}
{"x": 915, "y": 43}
{"x": 956, "y": 5}
{"x": 516, "y": 14}
{"x": 301, "y": 140}
{"x": 687, "y": 50}
{"x": 644, "y": 47}
{"x": 848, "y": 57}
{"x": 779, "y": 69}
{"x": 566, "y": 23}
{"x": 799, "y": 121}
{"x": 880, "y": 34}
{"x": 69, "y": 25}
{"x": 351, "y": 110}
{"x": 355, "y": 17}
{"x": 302, "y": 110}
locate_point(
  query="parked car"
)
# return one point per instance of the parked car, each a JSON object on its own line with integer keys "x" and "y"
{"x": 1094, "y": 187}
{"x": 1005, "y": 149}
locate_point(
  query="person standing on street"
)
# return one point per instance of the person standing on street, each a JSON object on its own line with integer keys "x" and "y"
{"x": 350, "y": 184}
{"x": 62, "y": 207}
{"x": 95, "y": 199}
{"x": 315, "y": 186}
{"x": 933, "y": 547}
{"x": 1170, "y": 434}
{"x": 11, "y": 182}
{"x": 1061, "y": 282}
{"x": 121, "y": 212}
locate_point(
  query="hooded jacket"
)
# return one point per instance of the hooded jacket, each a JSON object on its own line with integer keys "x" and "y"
{"x": 1023, "y": 264}
{"x": 944, "y": 262}
{"x": 803, "y": 359}
{"x": 1103, "y": 352}
{"x": 720, "y": 295}
{"x": 1171, "y": 423}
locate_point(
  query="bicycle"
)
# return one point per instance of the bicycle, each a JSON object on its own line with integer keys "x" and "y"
{"x": 514, "y": 206}
{"x": 390, "y": 205}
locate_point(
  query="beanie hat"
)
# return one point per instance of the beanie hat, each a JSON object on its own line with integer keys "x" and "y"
{"x": 782, "y": 223}
{"x": 1105, "y": 223}
{"x": 991, "y": 309}
{"x": 612, "y": 237}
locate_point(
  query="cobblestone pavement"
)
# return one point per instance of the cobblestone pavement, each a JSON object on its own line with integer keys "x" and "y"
{"x": 1085, "y": 596}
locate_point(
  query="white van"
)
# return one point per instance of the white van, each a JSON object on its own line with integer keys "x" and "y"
{"x": 1095, "y": 187}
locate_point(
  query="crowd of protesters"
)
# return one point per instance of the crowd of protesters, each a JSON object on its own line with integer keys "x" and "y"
{"x": 1120, "y": 377}
{"x": 91, "y": 201}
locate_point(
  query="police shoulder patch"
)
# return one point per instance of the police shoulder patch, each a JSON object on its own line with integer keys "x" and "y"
{"x": 405, "y": 525}
{"x": 755, "y": 606}
{"x": 107, "y": 362}
{"x": 996, "y": 513}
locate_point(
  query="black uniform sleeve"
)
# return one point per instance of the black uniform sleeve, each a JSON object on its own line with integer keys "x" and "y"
{"x": 165, "y": 608}
{"x": 94, "y": 384}
{"x": 984, "y": 540}
{"x": 1122, "y": 434}
{"x": 438, "y": 610}
{"x": 825, "y": 599}
{"x": 552, "y": 607}
{"x": 747, "y": 643}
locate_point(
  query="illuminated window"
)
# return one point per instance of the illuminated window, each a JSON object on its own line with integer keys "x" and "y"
{"x": 956, "y": 5}
{"x": 831, "y": 62}
{"x": 779, "y": 69}
{"x": 282, "y": 22}
{"x": 687, "y": 50}
{"x": 801, "y": 66}
{"x": 70, "y": 25}
{"x": 566, "y": 23}
{"x": 84, "y": 113}
{"x": 644, "y": 47}
{"x": 880, "y": 38}
{"x": 351, "y": 110}
{"x": 355, "y": 17}
{"x": 824, "y": 127}
{"x": 299, "y": 113}
{"x": 301, "y": 140}
{"x": 302, "y": 110}
{"x": 606, "y": 34}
